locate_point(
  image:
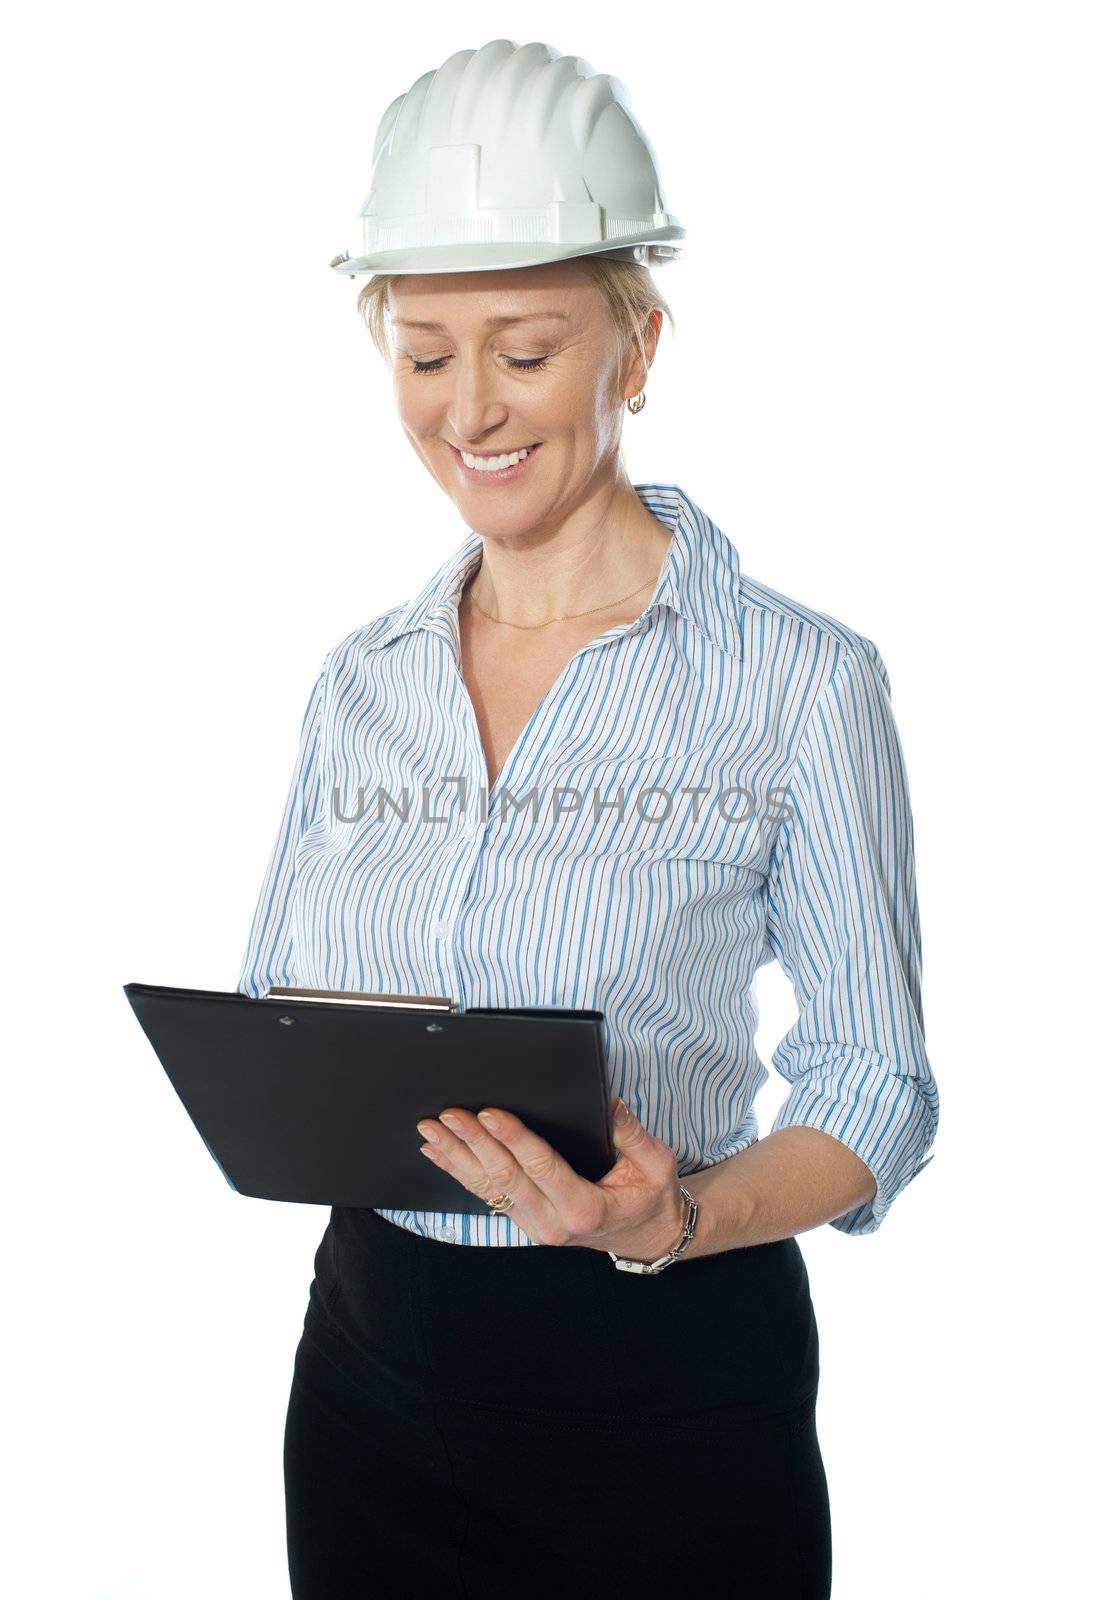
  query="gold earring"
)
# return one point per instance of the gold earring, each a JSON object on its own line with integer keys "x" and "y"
{"x": 634, "y": 409}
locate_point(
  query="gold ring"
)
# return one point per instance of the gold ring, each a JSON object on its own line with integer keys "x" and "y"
{"x": 499, "y": 1202}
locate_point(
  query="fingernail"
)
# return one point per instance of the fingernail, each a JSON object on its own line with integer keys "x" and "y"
{"x": 620, "y": 1111}
{"x": 449, "y": 1121}
{"x": 488, "y": 1119}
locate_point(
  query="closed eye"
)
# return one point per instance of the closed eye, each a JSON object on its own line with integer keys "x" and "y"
{"x": 532, "y": 364}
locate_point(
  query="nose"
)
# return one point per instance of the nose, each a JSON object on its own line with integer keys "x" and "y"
{"x": 475, "y": 407}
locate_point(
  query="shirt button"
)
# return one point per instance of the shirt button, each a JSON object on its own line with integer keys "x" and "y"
{"x": 442, "y": 930}
{"x": 447, "y": 1235}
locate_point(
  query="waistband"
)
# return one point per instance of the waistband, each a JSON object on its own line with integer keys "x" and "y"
{"x": 559, "y": 1330}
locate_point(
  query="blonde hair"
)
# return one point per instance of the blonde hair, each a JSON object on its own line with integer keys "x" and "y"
{"x": 627, "y": 288}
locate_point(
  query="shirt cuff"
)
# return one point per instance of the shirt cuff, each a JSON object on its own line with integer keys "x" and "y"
{"x": 864, "y": 1102}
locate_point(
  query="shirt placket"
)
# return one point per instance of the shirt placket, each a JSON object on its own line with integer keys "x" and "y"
{"x": 474, "y": 833}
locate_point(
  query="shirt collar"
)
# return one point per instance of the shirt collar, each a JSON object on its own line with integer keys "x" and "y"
{"x": 699, "y": 578}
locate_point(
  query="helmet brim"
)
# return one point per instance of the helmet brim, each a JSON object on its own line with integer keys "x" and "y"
{"x": 486, "y": 257}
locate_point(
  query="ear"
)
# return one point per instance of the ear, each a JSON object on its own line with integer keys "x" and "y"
{"x": 635, "y": 370}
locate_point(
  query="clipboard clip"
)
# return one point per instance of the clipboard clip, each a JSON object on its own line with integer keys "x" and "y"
{"x": 358, "y": 997}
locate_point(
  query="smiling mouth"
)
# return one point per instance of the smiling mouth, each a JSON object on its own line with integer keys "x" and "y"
{"x": 495, "y": 461}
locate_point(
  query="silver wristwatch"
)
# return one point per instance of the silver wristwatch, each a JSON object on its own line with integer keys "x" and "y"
{"x": 682, "y": 1244}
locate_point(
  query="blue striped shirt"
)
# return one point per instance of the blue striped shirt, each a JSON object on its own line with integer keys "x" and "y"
{"x": 714, "y": 785}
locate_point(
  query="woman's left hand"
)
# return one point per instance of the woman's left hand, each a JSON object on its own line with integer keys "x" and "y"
{"x": 636, "y": 1209}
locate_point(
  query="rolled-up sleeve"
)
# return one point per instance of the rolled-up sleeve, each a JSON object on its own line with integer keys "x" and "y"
{"x": 842, "y": 920}
{"x": 270, "y": 950}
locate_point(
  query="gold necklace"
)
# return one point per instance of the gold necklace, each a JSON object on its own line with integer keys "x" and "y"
{"x": 569, "y": 618}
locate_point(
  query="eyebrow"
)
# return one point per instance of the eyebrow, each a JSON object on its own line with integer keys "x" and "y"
{"x": 491, "y": 322}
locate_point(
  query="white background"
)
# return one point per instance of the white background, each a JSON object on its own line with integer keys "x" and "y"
{"x": 893, "y": 385}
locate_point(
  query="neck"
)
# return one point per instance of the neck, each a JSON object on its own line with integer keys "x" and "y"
{"x": 609, "y": 546}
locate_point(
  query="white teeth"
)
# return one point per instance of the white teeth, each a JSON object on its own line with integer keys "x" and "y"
{"x": 493, "y": 463}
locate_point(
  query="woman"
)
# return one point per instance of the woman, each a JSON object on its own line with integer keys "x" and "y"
{"x": 650, "y": 774}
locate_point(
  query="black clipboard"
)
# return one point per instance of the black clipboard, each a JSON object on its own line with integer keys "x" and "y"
{"x": 312, "y": 1096}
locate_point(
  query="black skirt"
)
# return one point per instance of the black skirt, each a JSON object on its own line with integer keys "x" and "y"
{"x": 529, "y": 1422}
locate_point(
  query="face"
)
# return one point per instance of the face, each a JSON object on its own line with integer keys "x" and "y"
{"x": 493, "y": 363}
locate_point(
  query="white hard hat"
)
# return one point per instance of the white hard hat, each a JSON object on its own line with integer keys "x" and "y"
{"x": 510, "y": 156}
